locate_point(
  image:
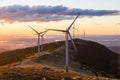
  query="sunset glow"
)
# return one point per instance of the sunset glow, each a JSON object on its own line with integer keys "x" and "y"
{"x": 98, "y": 17}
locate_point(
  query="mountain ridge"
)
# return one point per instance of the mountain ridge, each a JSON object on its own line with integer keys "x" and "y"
{"x": 85, "y": 48}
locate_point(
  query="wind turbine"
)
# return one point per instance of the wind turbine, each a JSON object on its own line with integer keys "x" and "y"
{"x": 84, "y": 34}
{"x": 67, "y": 33}
{"x": 74, "y": 30}
{"x": 39, "y": 42}
{"x": 42, "y": 39}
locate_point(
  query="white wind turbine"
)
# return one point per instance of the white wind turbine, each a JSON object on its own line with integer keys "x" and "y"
{"x": 84, "y": 34}
{"x": 42, "y": 39}
{"x": 67, "y": 33}
{"x": 40, "y": 42}
{"x": 74, "y": 30}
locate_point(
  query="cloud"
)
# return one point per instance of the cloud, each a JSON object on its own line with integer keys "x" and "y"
{"x": 47, "y": 13}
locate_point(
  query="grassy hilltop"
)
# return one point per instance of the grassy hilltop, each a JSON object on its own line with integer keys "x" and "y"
{"x": 92, "y": 58}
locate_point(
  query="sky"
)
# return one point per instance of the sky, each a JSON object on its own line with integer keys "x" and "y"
{"x": 98, "y": 17}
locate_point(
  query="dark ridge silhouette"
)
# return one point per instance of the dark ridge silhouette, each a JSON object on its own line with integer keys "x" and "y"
{"x": 96, "y": 56}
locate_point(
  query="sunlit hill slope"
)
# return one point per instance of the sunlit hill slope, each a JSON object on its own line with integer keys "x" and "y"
{"x": 92, "y": 58}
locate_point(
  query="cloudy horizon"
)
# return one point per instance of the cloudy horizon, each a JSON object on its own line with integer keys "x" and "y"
{"x": 48, "y": 13}
{"x": 97, "y": 18}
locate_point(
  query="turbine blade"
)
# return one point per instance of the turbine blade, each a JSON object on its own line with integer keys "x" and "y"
{"x": 73, "y": 22}
{"x": 57, "y": 30}
{"x": 43, "y": 32}
{"x": 73, "y": 42}
{"x": 33, "y": 29}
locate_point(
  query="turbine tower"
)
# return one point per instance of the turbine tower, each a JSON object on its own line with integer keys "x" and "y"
{"x": 39, "y": 42}
{"x": 74, "y": 31}
{"x": 67, "y": 33}
{"x": 42, "y": 39}
{"x": 84, "y": 34}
